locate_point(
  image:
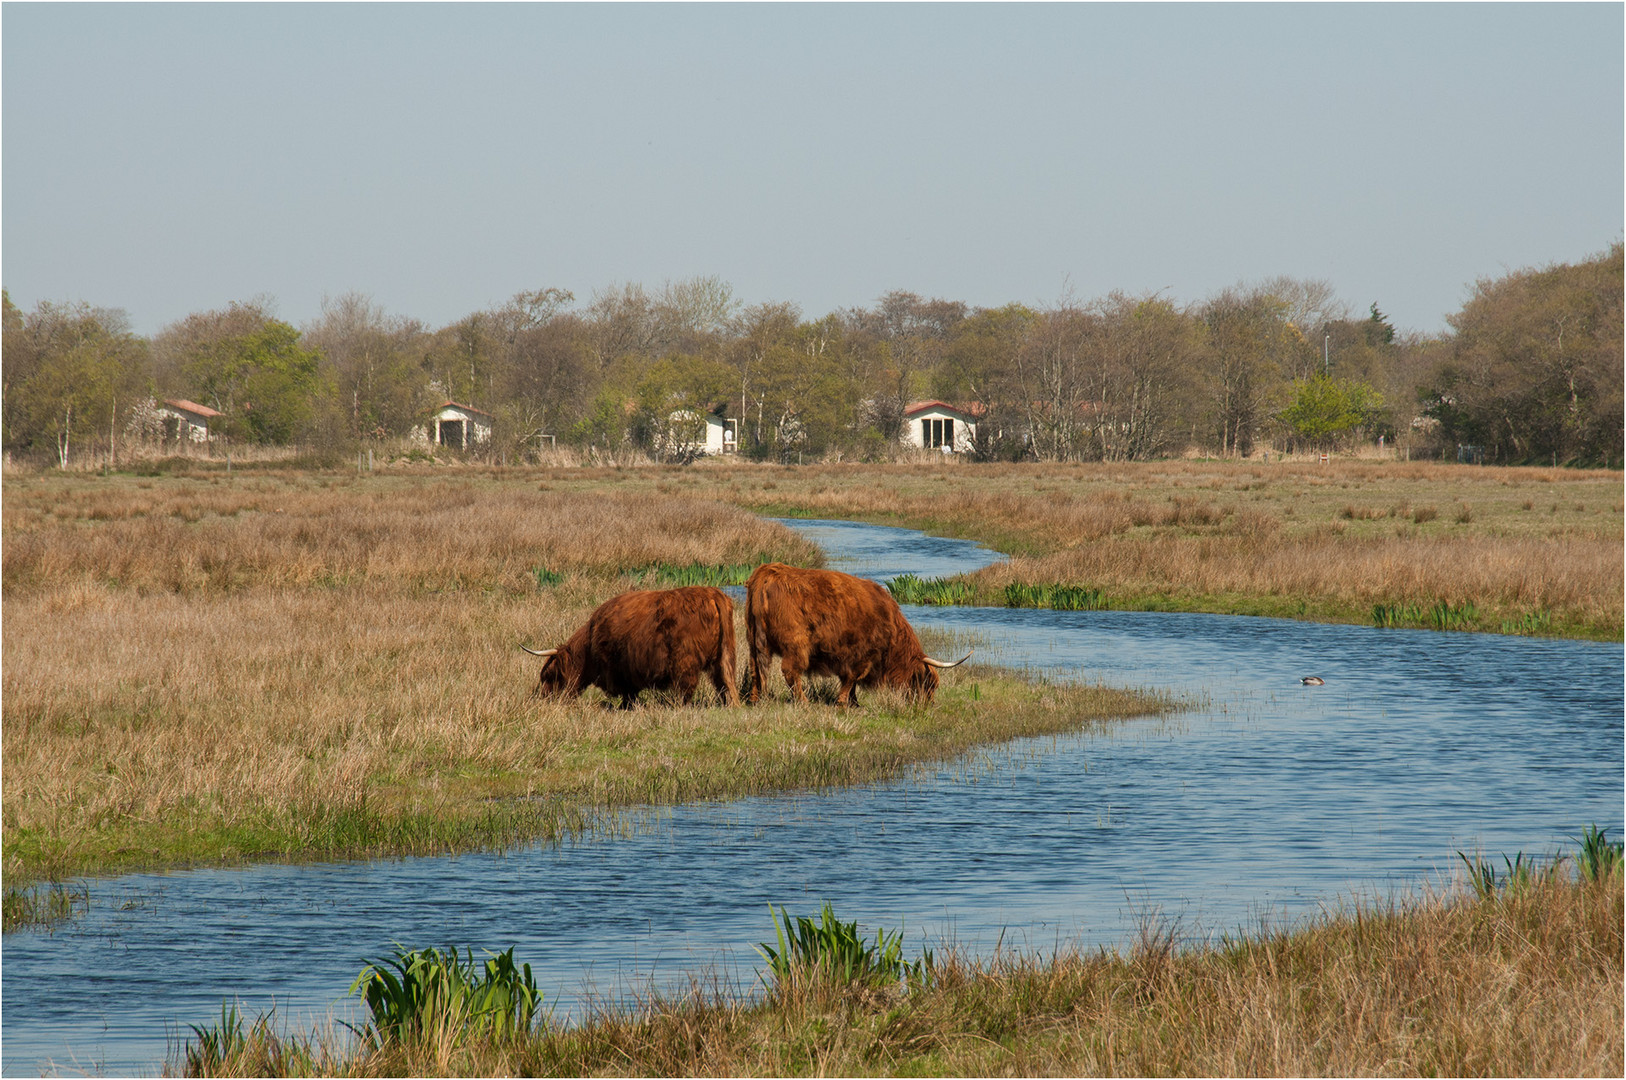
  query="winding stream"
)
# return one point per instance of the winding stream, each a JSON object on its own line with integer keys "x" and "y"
{"x": 1267, "y": 800}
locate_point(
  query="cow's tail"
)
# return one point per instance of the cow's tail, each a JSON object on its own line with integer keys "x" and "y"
{"x": 756, "y": 631}
{"x": 726, "y": 660}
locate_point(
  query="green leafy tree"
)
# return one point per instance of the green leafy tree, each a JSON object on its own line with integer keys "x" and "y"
{"x": 1326, "y": 410}
{"x": 250, "y": 367}
{"x": 674, "y": 396}
{"x": 71, "y": 374}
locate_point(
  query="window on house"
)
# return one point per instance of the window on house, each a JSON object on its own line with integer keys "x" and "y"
{"x": 937, "y": 433}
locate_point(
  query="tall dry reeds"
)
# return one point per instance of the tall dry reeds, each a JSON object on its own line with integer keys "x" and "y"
{"x": 1328, "y": 542}
{"x": 196, "y": 535}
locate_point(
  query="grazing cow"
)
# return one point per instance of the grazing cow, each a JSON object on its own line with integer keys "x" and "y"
{"x": 826, "y": 623}
{"x": 647, "y": 641}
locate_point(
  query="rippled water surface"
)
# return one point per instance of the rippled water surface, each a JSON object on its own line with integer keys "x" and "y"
{"x": 1266, "y": 799}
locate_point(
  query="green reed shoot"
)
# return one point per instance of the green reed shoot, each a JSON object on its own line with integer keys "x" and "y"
{"x": 547, "y": 579}
{"x": 424, "y": 993}
{"x": 833, "y": 950}
{"x": 1530, "y": 624}
{"x": 910, "y": 589}
{"x": 1441, "y": 616}
{"x": 215, "y": 1044}
{"x": 1598, "y": 857}
{"x": 45, "y": 905}
{"x": 670, "y": 577}
{"x": 1055, "y": 597}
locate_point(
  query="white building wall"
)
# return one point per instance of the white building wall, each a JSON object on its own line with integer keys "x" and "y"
{"x": 964, "y": 428}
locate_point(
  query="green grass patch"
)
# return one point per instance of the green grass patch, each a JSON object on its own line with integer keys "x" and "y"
{"x": 1441, "y": 615}
{"x": 1056, "y": 597}
{"x": 429, "y": 996}
{"x": 909, "y": 589}
{"x": 830, "y": 950}
{"x": 716, "y": 575}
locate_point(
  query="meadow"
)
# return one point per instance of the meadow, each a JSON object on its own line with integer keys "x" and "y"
{"x": 203, "y": 667}
{"x": 1516, "y": 550}
{"x": 211, "y": 670}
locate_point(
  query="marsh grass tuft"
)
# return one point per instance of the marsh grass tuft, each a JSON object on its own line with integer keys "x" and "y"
{"x": 1441, "y": 615}
{"x": 830, "y": 950}
{"x": 1597, "y": 857}
{"x": 671, "y": 577}
{"x": 44, "y": 905}
{"x": 1522, "y": 870}
{"x": 909, "y": 589}
{"x": 227, "y": 1049}
{"x": 425, "y": 995}
{"x": 1055, "y": 597}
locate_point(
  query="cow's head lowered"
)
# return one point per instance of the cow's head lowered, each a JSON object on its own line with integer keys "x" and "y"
{"x": 923, "y": 680}
{"x": 562, "y": 670}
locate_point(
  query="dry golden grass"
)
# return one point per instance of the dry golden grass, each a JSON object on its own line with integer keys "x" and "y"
{"x": 1525, "y": 983}
{"x": 215, "y": 534}
{"x": 1325, "y": 542}
{"x": 344, "y": 677}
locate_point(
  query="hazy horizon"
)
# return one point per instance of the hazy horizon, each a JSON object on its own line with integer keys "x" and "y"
{"x": 167, "y": 159}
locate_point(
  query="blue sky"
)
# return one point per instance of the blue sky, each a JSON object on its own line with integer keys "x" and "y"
{"x": 439, "y": 158}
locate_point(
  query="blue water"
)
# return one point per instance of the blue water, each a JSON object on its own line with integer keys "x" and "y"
{"x": 1266, "y": 800}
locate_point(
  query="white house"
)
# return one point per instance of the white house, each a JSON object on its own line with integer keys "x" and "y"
{"x": 722, "y": 434}
{"x": 459, "y": 426}
{"x": 937, "y": 425}
{"x": 186, "y": 421}
{"x": 715, "y": 435}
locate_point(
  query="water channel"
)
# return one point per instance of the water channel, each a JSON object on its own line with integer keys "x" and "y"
{"x": 1267, "y": 800}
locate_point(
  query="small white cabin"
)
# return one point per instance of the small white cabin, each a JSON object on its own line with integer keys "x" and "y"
{"x": 722, "y": 434}
{"x": 460, "y": 426}
{"x": 937, "y": 425}
{"x": 186, "y": 421}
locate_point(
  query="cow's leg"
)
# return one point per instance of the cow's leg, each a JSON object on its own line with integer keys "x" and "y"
{"x": 848, "y": 694}
{"x": 685, "y": 686}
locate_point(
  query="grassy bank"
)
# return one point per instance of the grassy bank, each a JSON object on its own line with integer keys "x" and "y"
{"x": 1522, "y": 550}
{"x": 1523, "y": 980}
{"x": 201, "y": 670}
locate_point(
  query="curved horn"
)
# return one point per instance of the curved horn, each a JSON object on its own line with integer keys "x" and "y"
{"x": 957, "y": 663}
{"x": 544, "y": 652}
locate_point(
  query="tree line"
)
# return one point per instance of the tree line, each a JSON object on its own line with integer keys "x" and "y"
{"x": 1530, "y": 371}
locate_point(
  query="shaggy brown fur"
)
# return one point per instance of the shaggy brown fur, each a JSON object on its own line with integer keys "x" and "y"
{"x": 823, "y": 622}
{"x": 654, "y": 640}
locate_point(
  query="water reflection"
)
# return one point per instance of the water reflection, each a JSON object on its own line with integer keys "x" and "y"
{"x": 1271, "y": 798}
